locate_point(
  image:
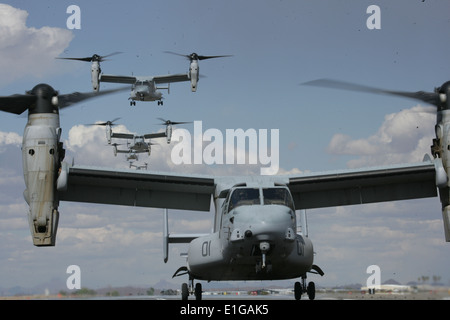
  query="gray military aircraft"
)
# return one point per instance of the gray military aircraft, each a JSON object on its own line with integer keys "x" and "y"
{"x": 139, "y": 166}
{"x": 139, "y": 143}
{"x": 95, "y": 67}
{"x": 254, "y": 235}
{"x": 145, "y": 88}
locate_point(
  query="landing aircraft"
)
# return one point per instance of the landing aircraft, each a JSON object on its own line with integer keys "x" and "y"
{"x": 139, "y": 144}
{"x": 144, "y": 88}
{"x": 254, "y": 233}
{"x": 140, "y": 166}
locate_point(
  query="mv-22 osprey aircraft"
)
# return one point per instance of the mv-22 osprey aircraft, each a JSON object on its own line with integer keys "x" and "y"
{"x": 254, "y": 235}
{"x": 139, "y": 143}
{"x": 145, "y": 88}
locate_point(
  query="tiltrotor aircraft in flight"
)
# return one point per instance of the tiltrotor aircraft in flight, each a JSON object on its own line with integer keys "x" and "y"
{"x": 254, "y": 235}
{"x": 145, "y": 88}
{"x": 139, "y": 143}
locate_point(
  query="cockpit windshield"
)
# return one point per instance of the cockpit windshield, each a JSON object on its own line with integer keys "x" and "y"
{"x": 279, "y": 196}
{"x": 244, "y": 196}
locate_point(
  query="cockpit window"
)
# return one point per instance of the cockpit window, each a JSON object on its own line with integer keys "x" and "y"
{"x": 279, "y": 196}
{"x": 244, "y": 196}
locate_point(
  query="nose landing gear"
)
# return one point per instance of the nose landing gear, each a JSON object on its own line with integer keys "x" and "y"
{"x": 189, "y": 289}
{"x": 310, "y": 289}
{"x": 300, "y": 288}
{"x": 186, "y": 290}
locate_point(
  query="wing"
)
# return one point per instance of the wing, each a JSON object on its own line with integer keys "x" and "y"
{"x": 123, "y": 151}
{"x": 122, "y": 135}
{"x": 155, "y": 135}
{"x": 135, "y": 188}
{"x": 312, "y": 190}
{"x": 117, "y": 79}
{"x": 171, "y": 78}
{"x": 378, "y": 184}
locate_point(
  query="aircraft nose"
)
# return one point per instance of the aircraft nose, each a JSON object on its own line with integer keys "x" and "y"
{"x": 263, "y": 223}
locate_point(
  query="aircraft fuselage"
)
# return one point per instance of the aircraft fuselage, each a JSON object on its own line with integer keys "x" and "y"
{"x": 145, "y": 91}
{"x": 256, "y": 240}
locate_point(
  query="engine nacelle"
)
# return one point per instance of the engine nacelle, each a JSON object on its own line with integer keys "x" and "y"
{"x": 41, "y": 160}
{"x": 108, "y": 133}
{"x": 168, "y": 133}
{"x": 95, "y": 75}
{"x": 193, "y": 74}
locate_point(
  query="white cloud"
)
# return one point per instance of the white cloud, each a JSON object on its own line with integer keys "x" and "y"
{"x": 7, "y": 138}
{"x": 27, "y": 51}
{"x": 88, "y": 144}
{"x": 405, "y": 136}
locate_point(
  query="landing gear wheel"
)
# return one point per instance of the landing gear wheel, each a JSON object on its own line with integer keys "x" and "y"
{"x": 184, "y": 291}
{"x": 311, "y": 291}
{"x": 298, "y": 290}
{"x": 198, "y": 291}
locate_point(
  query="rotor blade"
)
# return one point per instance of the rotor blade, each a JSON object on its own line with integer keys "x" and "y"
{"x": 17, "y": 103}
{"x": 67, "y": 100}
{"x": 109, "y": 122}
{"x": 178, "y": 54}
{"x": 180, "y": 122}
{"x": 111, "y": 54}
{"x": 102, "y": 58}
{"x": 167, "y": 122}
{"x": 87, "y": 59}
{"x": 429, "y": 97}
{"x": 194, "y": 56}
{"x": 212, "y": 57}
{"x": 92, "y": 58}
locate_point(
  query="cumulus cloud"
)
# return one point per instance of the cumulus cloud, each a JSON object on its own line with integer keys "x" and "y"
{"x": 88, "y": 145}
{"x": 10, "y": 138}
{"x": 27, "y": 51}
{"x": 405, "y": 136}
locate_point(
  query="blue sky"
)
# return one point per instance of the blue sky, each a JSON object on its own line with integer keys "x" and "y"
{"x": 276, "y": 46}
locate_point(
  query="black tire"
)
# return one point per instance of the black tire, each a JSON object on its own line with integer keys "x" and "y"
{"x": 184, "y": 291}
{"x": 198, "y": 291}
{"x": 298, "y": 290}
{"x": 311, "y": 290}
